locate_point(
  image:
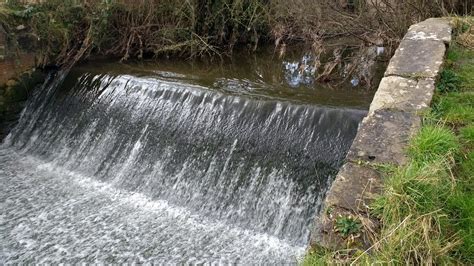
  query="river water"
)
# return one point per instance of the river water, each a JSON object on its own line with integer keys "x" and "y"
{"x": 148, "y": 163}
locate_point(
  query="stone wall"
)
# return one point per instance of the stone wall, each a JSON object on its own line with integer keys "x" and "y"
{"x": 17, "y": 53}
{"x": 18, "y": 74}
{"x": 383, "y": 136}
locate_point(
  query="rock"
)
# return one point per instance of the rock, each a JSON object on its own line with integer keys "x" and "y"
{"x": 32, "y": 78}
{"x": 20, "y": 27}
{"x": 403, "y": 94}
{"x": 11, "y": 83}
{"x": 436, "y": 29}
{"x": 363, "y": 183}
{"x": 28, "y": 42}
{"x": 3, "y": 52}
{"x": 353, "y": 190}
{"x": 383, "y": 137}
{"x": 3, "y": 36}
{"x": 15, "y": 94}
{"x": 325, "y": 233}
{"x": 417, "y": 59}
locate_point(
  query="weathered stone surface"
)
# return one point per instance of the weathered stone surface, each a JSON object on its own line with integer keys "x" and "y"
{"x": 3, "y": 36}
{"x": 383, "y": 137}
{"x": 28, "y": 42}
{"x": 325, "y": 233}
{"x": 417, "y": 59}
{"x": 403, "y": 94}
{"x": 13, "y": 96}
{"x": 437, "y": 29}
{"x": 12, "y": 68}
{"x": 20, "y": 27}
{"x": 354, "y": 187}
{"x": 350, "y": 195}
{"x": 11, "y": 83}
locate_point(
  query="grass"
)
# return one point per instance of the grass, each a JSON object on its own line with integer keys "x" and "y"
{"x": 449, "y": 81}
{"x": 427, "y": 207}
{"x": 432, "y": 142}
{"x": 456, "y": 108}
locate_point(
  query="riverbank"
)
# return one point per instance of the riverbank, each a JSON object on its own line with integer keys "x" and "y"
{"x": 426, "y": 210}
{"x": 68, "y": 31}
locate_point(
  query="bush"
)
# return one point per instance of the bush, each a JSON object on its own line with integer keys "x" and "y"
{"x": 200, "y": 27}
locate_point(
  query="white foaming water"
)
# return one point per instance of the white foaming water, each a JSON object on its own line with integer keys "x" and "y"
{"x": 73, "y": 218}
{"x": 126, "y": 169}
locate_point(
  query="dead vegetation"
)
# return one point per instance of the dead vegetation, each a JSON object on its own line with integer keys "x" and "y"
{"x": 69, "y": 31}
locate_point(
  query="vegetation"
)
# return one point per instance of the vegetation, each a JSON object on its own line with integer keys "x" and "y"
{"x": 427, "y": 207}
{"x": 69, "y": 31}
{"x": 347, "y": 226}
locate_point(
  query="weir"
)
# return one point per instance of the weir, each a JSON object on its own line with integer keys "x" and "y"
{"x": 228, "y": 177}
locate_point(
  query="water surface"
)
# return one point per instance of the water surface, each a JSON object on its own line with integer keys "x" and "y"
{"x": 160, "y": 163}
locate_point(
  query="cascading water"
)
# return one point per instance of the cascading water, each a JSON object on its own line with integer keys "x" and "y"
{"x": 121, "y": 168}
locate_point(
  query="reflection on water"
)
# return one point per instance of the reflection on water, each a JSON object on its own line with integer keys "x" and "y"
{"x": 300, "y": 73}
{"x": 293, "y": 77}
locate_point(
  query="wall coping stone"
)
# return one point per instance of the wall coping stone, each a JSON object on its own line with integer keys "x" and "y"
{"x": 417, "y": 59}
{"x": 384, "y": 134}
{"x": 403, "y": 94}
{"x": 431, "y": 29}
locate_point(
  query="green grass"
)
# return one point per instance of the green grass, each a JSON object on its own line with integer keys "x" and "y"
{"x": 427, "y": 207}
{"x": 456, "y": 108}
{"x": 317, "y": 257}
{"x": 467, "y": 134}
{"x": 449, "y": 81}
{"x": 431, "y": 143}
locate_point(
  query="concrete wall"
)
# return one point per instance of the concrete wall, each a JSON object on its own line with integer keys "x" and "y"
{"x": 394, "y": 117}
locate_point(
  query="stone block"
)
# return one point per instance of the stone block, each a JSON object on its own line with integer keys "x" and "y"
{"x": 403, "y": 94}
{"x": 353, "y": 190}
{"x": 325, "y": 233}
{"x": 15, "y": 92}
{"x": 417, "y": 59}
{"x": 436, "y": 29}
{"x": 3, "y": 53}
{"x": 383, "y": 137}
{"x": 354, "y": 187}
{"x": 3, "y": 36}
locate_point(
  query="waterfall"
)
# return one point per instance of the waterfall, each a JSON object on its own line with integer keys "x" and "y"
{"x": 247, "y": 163}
